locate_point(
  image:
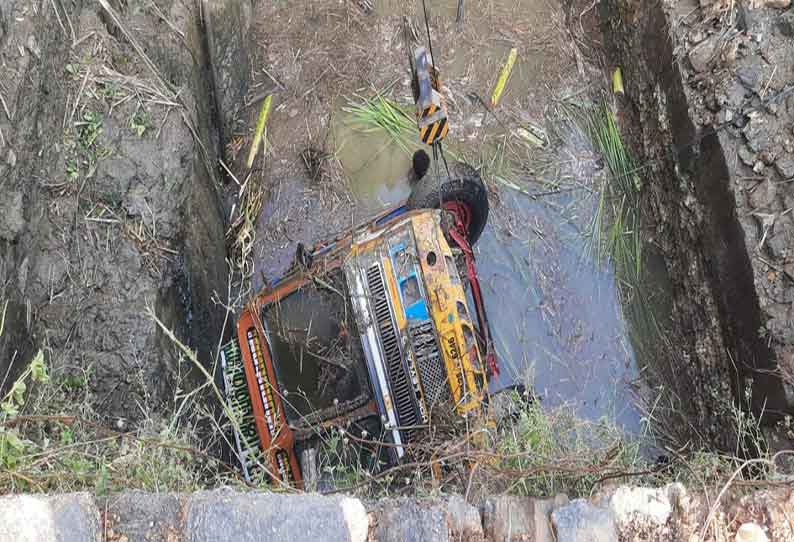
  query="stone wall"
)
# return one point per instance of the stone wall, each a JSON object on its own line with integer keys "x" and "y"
{"x": 623, "y": 513}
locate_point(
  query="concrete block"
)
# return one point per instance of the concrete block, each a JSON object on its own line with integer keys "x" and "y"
{"x": 464, "y": 521}
{"x": 410, "y": 521}
{"x": 514, "y": 519}
{"x": 581, "y": 521}
{"x": 135, "y": 516}
{"x": 220, "y": 516}
{"x": 71, "y": 517}
{"x": 651, "y": 504}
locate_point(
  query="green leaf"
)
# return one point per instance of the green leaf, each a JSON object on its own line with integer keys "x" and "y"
{"x": 38, "y": 369}
{"x": 9, "y": 408}
{"x": 18, "y": 392}
{"x": 14, "y": 441}
{"x": 11, "y": 448}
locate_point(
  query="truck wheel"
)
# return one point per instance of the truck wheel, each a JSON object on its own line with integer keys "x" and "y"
{"x": 465, "y": 188}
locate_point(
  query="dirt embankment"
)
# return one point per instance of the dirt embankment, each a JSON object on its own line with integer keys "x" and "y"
{"x": 108, "y": 196}
{"x": 710, "y": 108}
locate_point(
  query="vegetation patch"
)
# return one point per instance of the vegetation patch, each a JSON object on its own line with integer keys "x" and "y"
{"x": 380, "y": 114}
{"x": 52, "y": 440}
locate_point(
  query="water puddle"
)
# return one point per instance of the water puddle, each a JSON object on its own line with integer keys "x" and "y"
{"x": 555, "y": 314}
{"x": 375, "y": 165}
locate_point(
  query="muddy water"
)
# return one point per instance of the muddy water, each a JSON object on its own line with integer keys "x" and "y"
{"x": 555, "y": 314}
{"x": 375, "y": 166}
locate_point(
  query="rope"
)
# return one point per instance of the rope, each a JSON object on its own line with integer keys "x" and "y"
{"x": 444, "y": 158}
{"x": 438, "y": 176}
{"x": 427, "y": 28}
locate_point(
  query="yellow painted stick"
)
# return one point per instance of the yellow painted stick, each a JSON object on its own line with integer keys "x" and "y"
{"x": 617, "y": 81}
{"x": 504, "y": 75}
{"x": 260, "y": 128}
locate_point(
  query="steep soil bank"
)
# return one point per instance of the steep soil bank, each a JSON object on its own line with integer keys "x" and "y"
{"x": 107, "y": 199}
{"x": 701, "y": 86}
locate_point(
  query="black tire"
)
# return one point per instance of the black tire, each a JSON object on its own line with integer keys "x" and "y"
{"x": 465, "y": 186}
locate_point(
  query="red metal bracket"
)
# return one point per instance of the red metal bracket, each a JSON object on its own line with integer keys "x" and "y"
{"x": 459, "y": 232}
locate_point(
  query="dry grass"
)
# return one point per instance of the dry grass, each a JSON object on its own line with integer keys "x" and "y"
{"x": 52, "y": 440}
{"x": 241, "y": 235}
{"x": 536, "y": 452}
{"x": 539, "y": 453}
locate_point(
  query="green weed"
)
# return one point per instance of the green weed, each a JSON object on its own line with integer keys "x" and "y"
{"x": 72, "y": 169}
{"x": 13, "y": 446}
{"x": 110, "y": 90}
{"x": 555, "y": 451}
{"x": 707, "y": 468}
{"x": 340, "y": 462}
{"x": 83, "y": 150}
{"x": 89, "y": 129}
{"x": 380, "y": 114}
{"x": 52, "y": 440}
{"x": 140, "y": 122}
{"x": 615, "y": 227}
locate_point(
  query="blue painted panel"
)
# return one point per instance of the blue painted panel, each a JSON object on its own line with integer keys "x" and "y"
{"x": 324, "y": 249}
{"x": 417, "y": 311}
{"x": 394, "y": 214}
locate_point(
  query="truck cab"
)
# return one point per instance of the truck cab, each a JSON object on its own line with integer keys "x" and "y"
{"x": 373, "y": 328}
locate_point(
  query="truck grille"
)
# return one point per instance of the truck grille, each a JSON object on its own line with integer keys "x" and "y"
{"x": 401, "y": 389}
{"x": 236, "y": 388}
{"x": 429, "y": 364}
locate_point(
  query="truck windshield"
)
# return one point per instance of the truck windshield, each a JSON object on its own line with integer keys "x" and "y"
{"x": 316, "y": 350}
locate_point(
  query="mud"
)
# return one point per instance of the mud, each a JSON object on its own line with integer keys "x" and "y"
{"x": 707, "y": 102}
{"x": 109, "y": 207}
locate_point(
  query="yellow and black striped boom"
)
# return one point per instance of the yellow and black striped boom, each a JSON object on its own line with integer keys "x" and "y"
{"x": 431, "y": 109}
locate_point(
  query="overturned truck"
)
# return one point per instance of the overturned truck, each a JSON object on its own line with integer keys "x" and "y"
{"x": 370, "y": 332}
